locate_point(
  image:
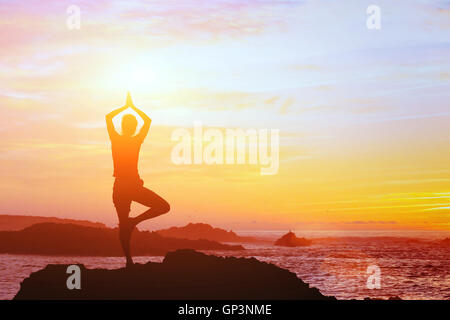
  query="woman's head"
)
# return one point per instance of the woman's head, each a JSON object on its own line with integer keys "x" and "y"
{"x": 129, "y": 124}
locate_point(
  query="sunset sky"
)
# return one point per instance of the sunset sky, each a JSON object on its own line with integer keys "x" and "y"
{"x": 364, "y": 115}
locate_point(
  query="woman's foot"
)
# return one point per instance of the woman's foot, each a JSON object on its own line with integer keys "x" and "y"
{"x": 129, "y": 264}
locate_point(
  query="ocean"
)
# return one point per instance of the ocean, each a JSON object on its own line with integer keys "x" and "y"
{"x": 411, "y": 265}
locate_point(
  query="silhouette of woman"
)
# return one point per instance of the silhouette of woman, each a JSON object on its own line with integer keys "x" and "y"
{"x": 128, "y": 186}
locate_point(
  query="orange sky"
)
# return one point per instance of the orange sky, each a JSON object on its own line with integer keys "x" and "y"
{"x": 363, "y": 115}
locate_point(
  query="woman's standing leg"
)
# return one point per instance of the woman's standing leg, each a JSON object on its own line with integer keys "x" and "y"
{"x": 122, "y": 202}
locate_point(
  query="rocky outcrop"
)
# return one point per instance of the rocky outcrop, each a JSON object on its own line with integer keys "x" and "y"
{"x": 70, "y": 240}
{"x": 291, "y": 240}
{"x": 184, "y": 274}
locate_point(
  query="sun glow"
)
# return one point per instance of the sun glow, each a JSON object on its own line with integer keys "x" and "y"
{"x": 132, "y": 77}
{"x": 137, "y": 74}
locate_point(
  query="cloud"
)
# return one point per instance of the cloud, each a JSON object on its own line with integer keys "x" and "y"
{"x": 371, "y": 222}
{"x": 437, "y": 208}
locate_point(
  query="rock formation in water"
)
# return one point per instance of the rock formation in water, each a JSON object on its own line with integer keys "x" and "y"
{"x": 445, "y": 242}
{"x": 69, "y": 240}
{"x": 184, "y": 274}
{"x": 291, "y": 240}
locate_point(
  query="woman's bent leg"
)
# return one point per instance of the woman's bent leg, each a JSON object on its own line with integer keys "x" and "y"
{"x": 158, "y": 205}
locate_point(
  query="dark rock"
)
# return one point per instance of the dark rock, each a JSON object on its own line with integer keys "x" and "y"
{"x": 290, "y": 240}
{"x": 184, "y": 274}
{"x": 445, "y": 242}
{"x": 390, "y": 298}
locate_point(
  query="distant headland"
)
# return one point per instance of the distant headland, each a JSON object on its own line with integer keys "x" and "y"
{"x": 71, "y": 239}
{"x": 195, "y": 231}
{"x": 19, "y": 222}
